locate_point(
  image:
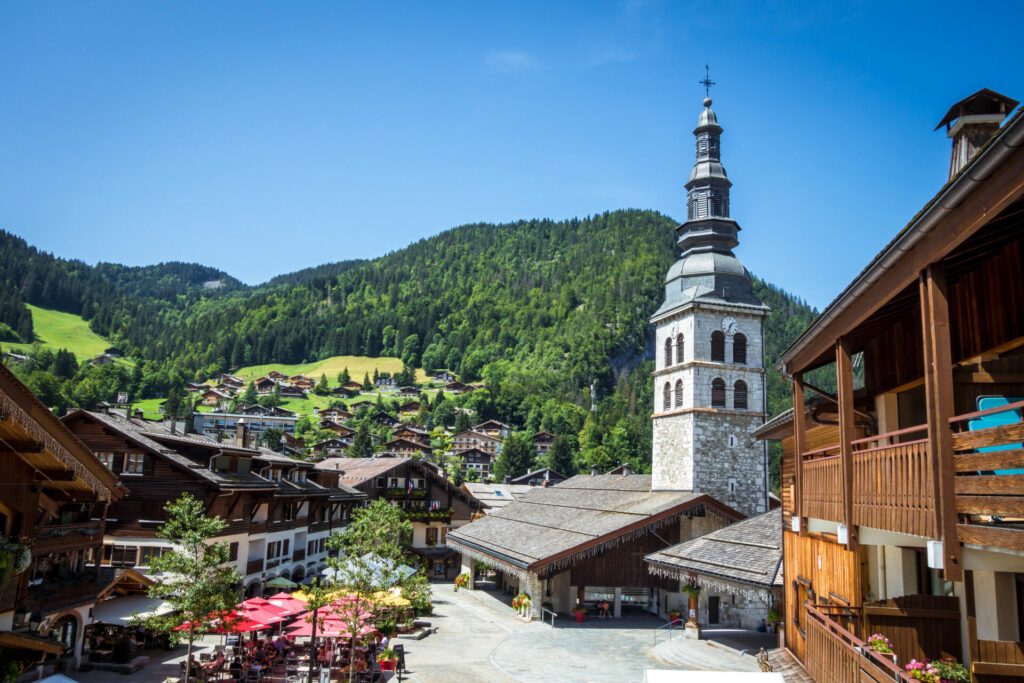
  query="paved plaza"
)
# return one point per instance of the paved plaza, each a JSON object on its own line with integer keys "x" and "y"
{"x": 479, "y": 638}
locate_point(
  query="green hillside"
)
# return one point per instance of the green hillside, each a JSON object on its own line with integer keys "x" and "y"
{"x": 358, "y": 366}
{"x": 56, "y": 330}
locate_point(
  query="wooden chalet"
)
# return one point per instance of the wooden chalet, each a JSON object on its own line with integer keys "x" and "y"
{"x": 290, "y": 391}
{"x": 407, "y": 447}
{"x": 443, "y": 376}
{"x": 903, "y": 493}
{"x": 355, "y": 387}
{"x": 542, "y": 442}
{"x": 336, "y": 414}
{"x": 434, "y": 505}
{"x": 409, "y": 407}
{"x": 411, "y": 433}
{"x": 382, "y": 418}
{"x": 463, "y": 441}
{"x": 583, "y": 541}
{"x": 494, "y": 429}
{"x": 478, "y": 461}
{"x": 159, "y": 465}
{"x": 266, "y": 411}
{"x": 265, "y": 386}
{"x": 408, "y": 392}
{"x": 54, "y": 499}
{"x": 331, "y": 448}
{"x": 457, "y": 387}
{"x": 231, "y": 380}
{"x": 277, "y": 375}
{"x": 289, "y": 532}
{"x": 215, "y": 397}
{"x": 341, "y": 430}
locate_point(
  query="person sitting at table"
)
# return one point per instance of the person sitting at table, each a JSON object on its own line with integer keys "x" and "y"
{"x": 236, "y": 668}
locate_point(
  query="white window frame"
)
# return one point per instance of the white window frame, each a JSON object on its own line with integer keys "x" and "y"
{"x": 131, "y": 458}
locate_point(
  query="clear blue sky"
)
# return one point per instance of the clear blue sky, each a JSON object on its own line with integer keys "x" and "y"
{"x": 265, "y": 137}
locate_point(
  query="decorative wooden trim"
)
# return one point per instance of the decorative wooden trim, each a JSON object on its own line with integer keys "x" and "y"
{"x": 996, "y": 460}
{"x": 799, "y": 435}
{"x": 999, "y": 537}
{"x": 847, "y": 433}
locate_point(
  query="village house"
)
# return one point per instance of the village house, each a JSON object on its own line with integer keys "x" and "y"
{"x": 542, "y": 442}
{"x": 456, "y": 387}
{"x": 354, "y": 387}
{"x": 407, "y": 447}
{"x": 463, "y": 441}
{"x": 494, "y": 429}
{"x": 265, "y": 411}
{"x": 443, "y": 376}
{"x": 434, "y": 505}
{"x": 218, "y": 425}
{"x": 331, "y": 448}
{"x": 55, "y": 498}
{"x": 382, "y": 418}
{"x": 409, "y": 407}
{"x": 265, "y": 385}
{"x": 231, "y": 380}
{"x": 408, "y": 392}
{"x": 344, "y": 433}
{"x": 384, "y": 383}
{"x": 216, "y": 397}
{"x": 902, "y": 490}
{"x": 477, "y": 461}
{"x": 407, "y": 431}
{"x": 335, "y": 414}
{"x": 278, "y": 376}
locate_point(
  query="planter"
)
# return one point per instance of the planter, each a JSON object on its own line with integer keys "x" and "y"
{"x": 580, "y": 616}
{"x": 388, "y": 664}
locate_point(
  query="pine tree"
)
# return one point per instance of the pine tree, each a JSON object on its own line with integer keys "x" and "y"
{"x": 362, "y": 444}
{"x": 251, "y": 396}
{"x": 516, "y": 457}
{"x": 343, "y": 376}
{"x": 367, "y": 384}
{"x": 562, "y": 457}
{"x": 322, "y": 388}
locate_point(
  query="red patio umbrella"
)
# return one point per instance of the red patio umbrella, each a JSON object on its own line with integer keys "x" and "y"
{"x": 288, "y": 603}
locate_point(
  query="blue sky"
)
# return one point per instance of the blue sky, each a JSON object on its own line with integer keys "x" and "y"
{"x": 266, "y": 137}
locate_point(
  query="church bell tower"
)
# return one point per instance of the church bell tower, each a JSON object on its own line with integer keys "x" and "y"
{"x": 709, "y": 377}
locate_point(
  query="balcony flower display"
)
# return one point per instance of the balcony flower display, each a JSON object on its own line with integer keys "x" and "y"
{"x": 15, "y": 558}
{"x": 938, "y": 671}
{"x": 880, "y": 644}
{"x": 921, "y": 671}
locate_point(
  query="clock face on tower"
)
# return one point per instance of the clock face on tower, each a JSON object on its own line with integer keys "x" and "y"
{"x": 729, "y": 325}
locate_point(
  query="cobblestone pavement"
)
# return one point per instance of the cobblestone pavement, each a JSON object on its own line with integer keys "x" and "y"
{"x": 479, "y": 638}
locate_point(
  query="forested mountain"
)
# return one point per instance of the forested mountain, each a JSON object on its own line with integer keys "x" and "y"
{"x": 548, "y": 313}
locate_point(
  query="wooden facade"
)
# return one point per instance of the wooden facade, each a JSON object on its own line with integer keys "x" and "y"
{"x": 903, "y": 512}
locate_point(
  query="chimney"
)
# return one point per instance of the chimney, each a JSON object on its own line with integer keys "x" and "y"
{"x": 972, "y": 122}
{"x": 507, "y": 480}
{"x": 626, "y": 470}
{"x": 594, "y": 471}
{"x": 139, "y": 415}
{"x": 240, "y": 433}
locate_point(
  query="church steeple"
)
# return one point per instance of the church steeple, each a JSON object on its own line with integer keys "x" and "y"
{"x": 708, "y": 226}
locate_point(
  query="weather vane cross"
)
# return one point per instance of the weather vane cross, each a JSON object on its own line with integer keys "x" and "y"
{"x": 707, "y": 82}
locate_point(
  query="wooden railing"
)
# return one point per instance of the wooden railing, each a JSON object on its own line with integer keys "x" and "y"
{"x": 998, "y": 660}
{"x": 254, "y": 567}
{"x": 836, "y": 655}
{"x": 822, "y": 484}
{"x": 892, "y": 486}
{"x": 66, "y": 536}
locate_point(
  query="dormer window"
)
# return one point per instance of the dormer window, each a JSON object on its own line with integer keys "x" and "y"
{"x": 134, "y": 463}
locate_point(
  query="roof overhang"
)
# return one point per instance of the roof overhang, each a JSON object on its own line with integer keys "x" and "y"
{"x": 987, "y": 185}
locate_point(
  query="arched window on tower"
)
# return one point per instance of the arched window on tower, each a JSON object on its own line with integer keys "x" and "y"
{"x": 666, "y": 402}
{"x": 679, "y": 393}
{"x": 718, "y": 393}
{"x": 668, "y": 351}
{"x": 739, "y": 349}
{"x": 680, "y": 347}
{"x": 718, "y": 346}
{"x": 739, "y": 395}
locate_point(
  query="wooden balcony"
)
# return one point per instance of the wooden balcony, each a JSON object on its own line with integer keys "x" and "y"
{"x": 254, "y": 567}
{"x": 57, "y": 595}
{"x": 997, "y": 660}
{"x": 299, "y": 555}
{"x": 893, "y": 481}
{"x": 317, "y": 527}
{"x": 67, "y": 537}
{"x": 836, "y": 655}
{"x": 258, "y": 527}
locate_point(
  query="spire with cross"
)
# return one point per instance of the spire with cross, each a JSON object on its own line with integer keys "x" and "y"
{"x": 707, "y": 82}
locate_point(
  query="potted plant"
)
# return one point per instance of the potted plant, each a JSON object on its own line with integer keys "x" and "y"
{"x": 674, "y": 617}
{"x": 522, "y": 603}
{"x": 15, "y": 558}
{"x": 773, "y": 618}
{"x": 461, "y": 581}
{"x": 388, "y": 659}
{"x": 692, "y": 590}
{"x": 580, "y": 612}
{"x": 882, "y": 645}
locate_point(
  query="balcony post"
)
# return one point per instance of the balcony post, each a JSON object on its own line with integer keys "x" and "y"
{"x": 799, "y": 445}
{"x": 938, "y": 382}
{"x": 847, "y": 433}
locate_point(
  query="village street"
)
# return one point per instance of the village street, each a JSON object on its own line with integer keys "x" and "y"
{"x": 480, "y": 639}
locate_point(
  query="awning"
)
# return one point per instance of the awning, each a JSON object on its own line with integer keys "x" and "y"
{"x": 27, "y": 642}
{"x": 119, "y": 611}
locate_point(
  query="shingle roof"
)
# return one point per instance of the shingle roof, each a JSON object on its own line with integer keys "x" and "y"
{"x": 497, "y": 496}
{"x": 579, "y": 514}
{"x": 150, "y": 436}
{"x": 747, "y": 552}
{"x": 356, "y": 471}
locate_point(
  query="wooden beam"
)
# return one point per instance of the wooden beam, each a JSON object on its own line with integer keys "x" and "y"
{"x": 799, "y": 442}
{"x": 998, "y": 669}
{"x": 1003, "y": 506}
{"x": 55, "y": 475}
{"x": 995, "y": 460}
{"x": 996, "y": 484}
{"x": 999, "y": 190}
{"x": 21, "y": 446}
{"x": 938, "y": 366}
{"x": 997, "y": 537}
{"x": 847, "y": 433}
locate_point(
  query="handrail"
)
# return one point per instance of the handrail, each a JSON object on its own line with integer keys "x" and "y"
{"x": 889, "y": 435}
{"x": 544, "y": 611}
{"x": 875, "y": 449}
{"x": 855, "y": 643}
{"x": 671, "y": 626}
{"x": 1019, "y": 405}
{"x": 816, "y": 451}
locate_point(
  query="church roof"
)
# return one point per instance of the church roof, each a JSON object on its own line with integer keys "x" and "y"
{"x": 747, "y": 552}
{"x": 554, "y": 527}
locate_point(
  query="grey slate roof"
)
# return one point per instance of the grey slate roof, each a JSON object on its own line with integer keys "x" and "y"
{"x": 747, "y": 552}
{"x": 584, "y": 511}
{"x": 152, "y": 436}
{"x": 497, "y": 496}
